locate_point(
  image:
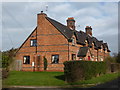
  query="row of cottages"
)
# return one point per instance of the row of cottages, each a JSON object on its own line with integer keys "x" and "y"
{"x": 58, "y": 43}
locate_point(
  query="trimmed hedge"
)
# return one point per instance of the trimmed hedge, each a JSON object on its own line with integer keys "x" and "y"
{"x": 80, "y": 70}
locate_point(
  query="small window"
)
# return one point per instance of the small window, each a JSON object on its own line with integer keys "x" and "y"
{"x": 73, "y": 57}
{"x": 26, "y": 60}
{"x": 33, "y": 42}
{"x": 73, "y": 41}
{"x": 55, "y": 58}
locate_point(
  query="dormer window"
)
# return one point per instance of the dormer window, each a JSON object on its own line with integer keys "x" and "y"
{"x": 33, "y": 42}
{"x": 73, "y": 41}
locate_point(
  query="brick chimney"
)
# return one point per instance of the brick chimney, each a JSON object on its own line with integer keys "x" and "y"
{"x": 88, "y": 30}
{"x": 40, "y": 18}
{"x": 71, "y": 23}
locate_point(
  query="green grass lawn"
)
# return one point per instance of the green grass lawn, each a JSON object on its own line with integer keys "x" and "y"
{"x": 19, "y": 78}
{"x": 98, "y": 80}
{"x": 35, "y": 78}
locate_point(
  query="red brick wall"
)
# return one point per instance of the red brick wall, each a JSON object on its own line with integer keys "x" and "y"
{"x": 50, "y": 42}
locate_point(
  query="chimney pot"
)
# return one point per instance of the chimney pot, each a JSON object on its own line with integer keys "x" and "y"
{"x": 88, "y": 30}
{"x": 71, "y": 23}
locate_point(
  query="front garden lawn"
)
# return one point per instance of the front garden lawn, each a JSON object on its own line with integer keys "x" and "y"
{"x": 35, "y": 78}
{"x": 19, "y": 78}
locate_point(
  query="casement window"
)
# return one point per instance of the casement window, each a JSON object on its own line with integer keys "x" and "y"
{"x": 73, "y": 41}
{"x": 26, "y": 60}
{"x": 33, "y": 42}
{"x": 73, "y": 56}
{"x": 55, "y": 58}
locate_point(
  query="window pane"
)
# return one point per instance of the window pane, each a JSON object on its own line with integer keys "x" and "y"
{"x": 26, "y": 60}
{"x": 33, "y": 42}
{"x": 55, "y": 58}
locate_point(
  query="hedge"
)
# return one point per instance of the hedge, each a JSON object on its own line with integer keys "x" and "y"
{"x": 115, "y": 67}
{"x": 83, "y": 70}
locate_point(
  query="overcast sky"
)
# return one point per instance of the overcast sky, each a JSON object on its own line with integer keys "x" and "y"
{"x": 19, "y": 20}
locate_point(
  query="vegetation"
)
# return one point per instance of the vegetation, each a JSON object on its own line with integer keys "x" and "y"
{"x": 80, "y": 70}
{"x": 7, "y": 61}
{"x": 98, "y": 80}
{"x": 34, "y": 78}
{"x": 8, "y": 58}
{"x": 45, "y": 63}
{"x": 118, "y": 58}
{"x": 50, "y": 79}
{"x": 110, "y": 59}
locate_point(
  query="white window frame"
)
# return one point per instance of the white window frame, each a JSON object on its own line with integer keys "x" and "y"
{"x": 32, "y": 44}
{"x": 54, "y": 61}
{"x": 25, "y": 61}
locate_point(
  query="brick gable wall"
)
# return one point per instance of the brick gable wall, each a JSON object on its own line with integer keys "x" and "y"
{"x": 51, "y": 42}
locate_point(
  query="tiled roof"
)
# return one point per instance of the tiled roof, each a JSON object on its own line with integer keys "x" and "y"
{"x": 99, "y": 44}
{"x": 82, "y": 51}
{"x": 90, "y": 40}
{"x": 67, "y": 32}
{"x": 105, "y": 46}
{"x": 80, "y": 35}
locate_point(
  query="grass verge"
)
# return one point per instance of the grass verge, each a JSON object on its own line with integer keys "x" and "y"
{"x": 98, "y": 80}
{"x": 19, "y": 78}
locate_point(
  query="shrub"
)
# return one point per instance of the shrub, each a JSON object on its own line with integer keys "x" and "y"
{"x": 115, "y": 67}
{"x": 110, "y": 59}
{"x": 45, "y": 63}
{"x": 5, "y": 73}
{"x": 118, "y": 58}
{"x": 80, "y": 70}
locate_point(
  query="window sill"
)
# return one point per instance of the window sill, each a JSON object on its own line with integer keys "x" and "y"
{"x": 26, "y": 64}
{"x": 54, "y": 63}
{"x": 32, "y": 46}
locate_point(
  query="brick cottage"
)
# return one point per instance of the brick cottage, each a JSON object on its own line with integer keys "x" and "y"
{"x": 58, "y": 43}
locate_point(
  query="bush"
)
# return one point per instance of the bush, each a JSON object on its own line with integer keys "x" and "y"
{"x": 5, "y": 61}
{"x": 118, "y": 58}
{"x": 45, "y": 63}
{"x": 80, "y": 70}
{"x": 5, "y": 73}
{"x": 110, "y": 59}
{"x": 115, "y": 67}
